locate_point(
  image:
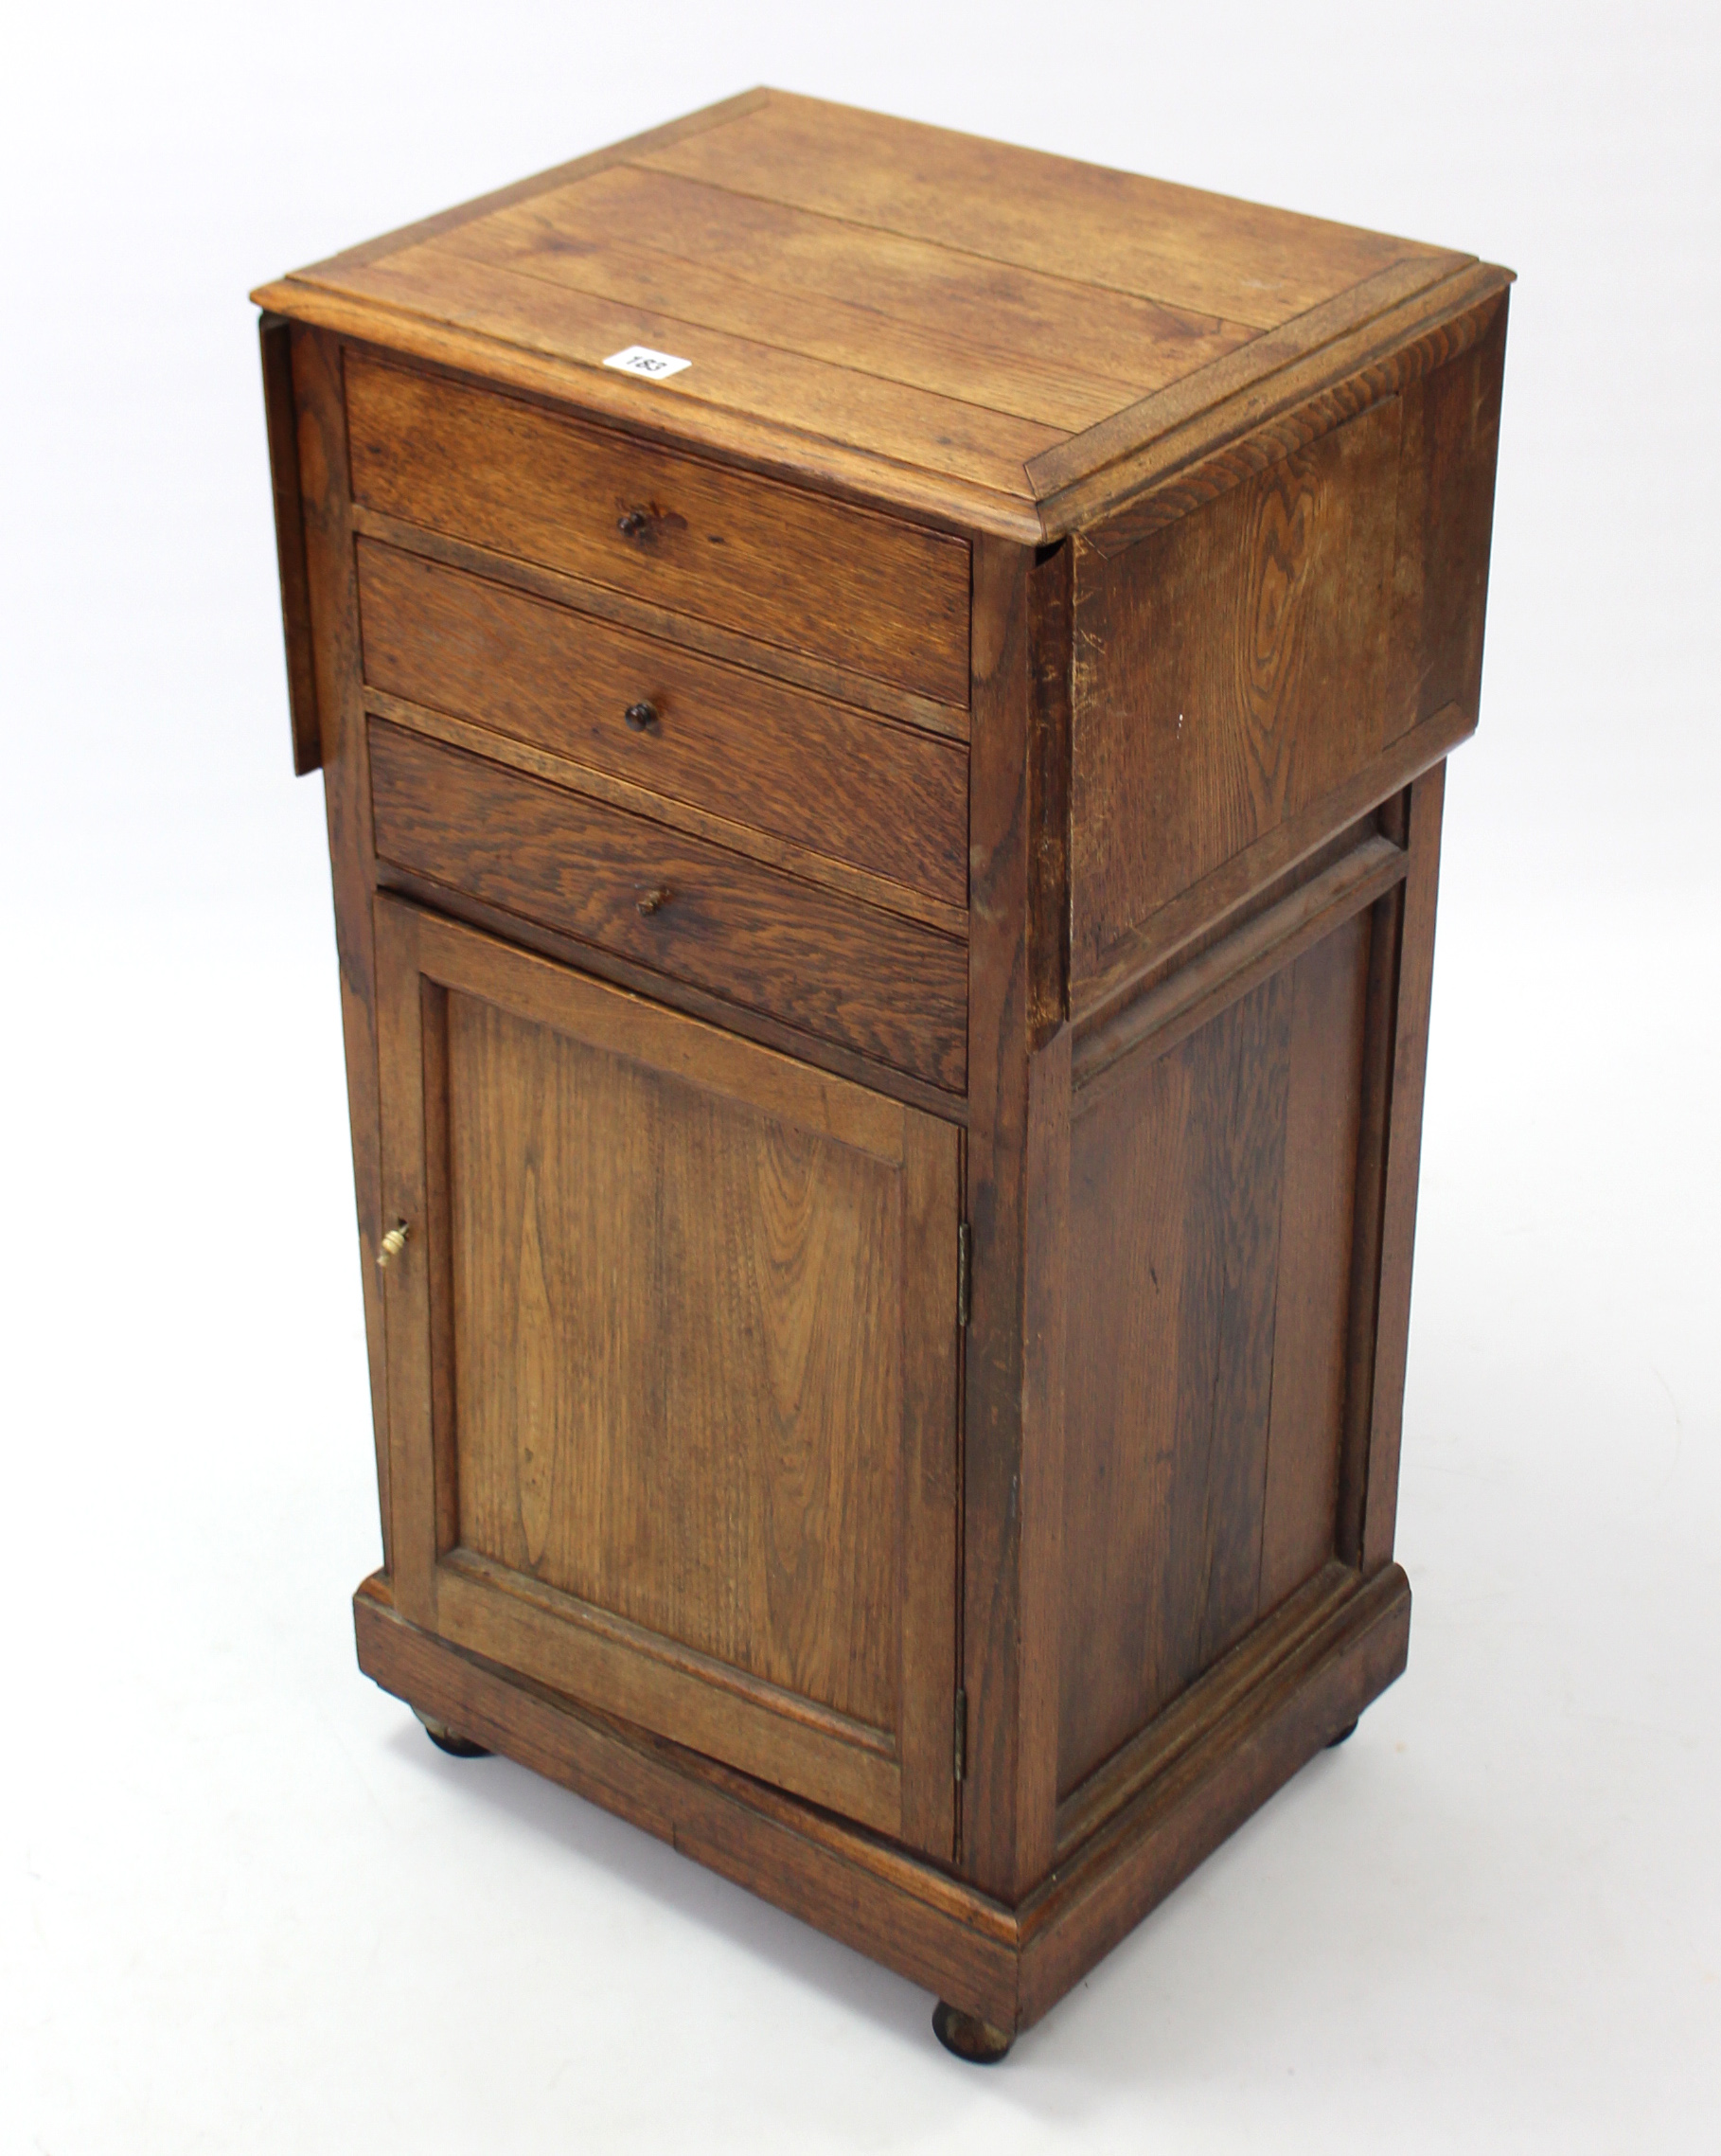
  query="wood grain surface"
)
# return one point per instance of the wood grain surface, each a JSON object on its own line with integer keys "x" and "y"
{"x": 831, "y": 1873}
{"x": 1322, "y": 1113}
{"x": 603, "y": 602}
{"x": 749, "y": 839}
{"x": 785, "y": 565}
{"x": 1235, "y": 416}
{"x": 1006, "y": 1965}
{"x": 959, "y": 767}
{"x": 1276, "y": 863}
{"x": 1209, "y": 1303}
{"x": 1401, "y": 1168}
{"x": 1446, "y": 524}
{"x": 1008, "y": 1653}
{"x": 599, "y": 964}
{"x": 698, "y": 1362}
{"x": 1230, "y": 672}
{"x": 874, "y": 981}
{"x": 945, "y": 436}
{"x": 717, "y": 115}
{"x": 729, "y": 744}
{"x": 652, "y": 1412}
{"x": 1215, "y": 969}
{"x": 415, "y": 1200}
{"x": 1200, "y": 1706}
{"x": 953, "y": 325}
{"x": 1127, "y": 1867}
{"x": 318, "y": 470}
{"x": 1240, "y": 262}
{"x": 274, "y": 343}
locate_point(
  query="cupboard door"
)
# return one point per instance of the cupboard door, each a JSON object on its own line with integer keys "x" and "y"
{"x": 672, "y": 1365}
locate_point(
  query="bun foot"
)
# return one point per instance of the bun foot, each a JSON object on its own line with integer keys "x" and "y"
{"x": 1343, "y": 1737}
{"x": 449, "y": 1740}
{"x": 968, "y": 2037}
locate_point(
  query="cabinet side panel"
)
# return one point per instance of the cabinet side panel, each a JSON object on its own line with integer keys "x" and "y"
{"x": 1264, "y": 667}
{"x": 1230, "y": 670}
{"x": 1174, "y": 1208}
{"x": 1323, "y": 1117}
{"x": 1401, "y": 1167}
{"x": 1445, "y": 528}
{"x": 275, "y": 341}
{"x": 1210, "y": 1210}
{"x": 332, "y": 590}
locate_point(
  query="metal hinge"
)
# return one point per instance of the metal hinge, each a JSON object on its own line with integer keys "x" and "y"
{"x": 962, "y": 1734}
{"x": 963, "y": 1242}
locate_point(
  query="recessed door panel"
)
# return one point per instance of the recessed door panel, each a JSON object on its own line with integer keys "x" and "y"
{"x": 673, "y": 1372}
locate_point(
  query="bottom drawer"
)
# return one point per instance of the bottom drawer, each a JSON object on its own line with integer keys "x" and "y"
{"x": 885, "y": 986}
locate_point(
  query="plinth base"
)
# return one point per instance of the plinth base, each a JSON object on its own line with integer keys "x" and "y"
{"x": 1126, "y": 1837}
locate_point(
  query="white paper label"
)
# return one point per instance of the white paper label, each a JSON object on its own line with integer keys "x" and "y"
{"x": 640, "y": 359}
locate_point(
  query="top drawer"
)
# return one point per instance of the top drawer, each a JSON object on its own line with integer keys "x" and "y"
{"x": 789, "y": 567}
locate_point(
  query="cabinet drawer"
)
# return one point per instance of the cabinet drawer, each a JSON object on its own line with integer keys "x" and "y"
{"x": 880, "y": 984}
{"x": 848, "y": 585}
{"x": 752, "y": 751}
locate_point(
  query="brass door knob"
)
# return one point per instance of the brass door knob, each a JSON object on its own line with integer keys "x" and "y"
{"x": 658, "y": 895}
{"x": 392, "y": 1243}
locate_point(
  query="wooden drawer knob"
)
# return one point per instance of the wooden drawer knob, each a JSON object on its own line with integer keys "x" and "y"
{"x": 392, "y": 1243}
{"x": 654, "y": 899}
{"x": 631, "y": 522}
{"x": 640, "y": 718}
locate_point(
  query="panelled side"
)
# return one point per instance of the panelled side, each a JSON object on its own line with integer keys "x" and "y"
{"x": 1251, "y": 677}
{"x": 1230, "y": 670}
{"x": 1264, "y": 691}
{"x": 333, "y": 607}
{"x": 1211, "y": 1189}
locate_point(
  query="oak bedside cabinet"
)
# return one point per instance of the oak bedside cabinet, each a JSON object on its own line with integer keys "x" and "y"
{"x": 882, "y": 702}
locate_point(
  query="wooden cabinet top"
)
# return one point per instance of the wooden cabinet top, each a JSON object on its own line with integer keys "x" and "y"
{"x": 992, "y": 337}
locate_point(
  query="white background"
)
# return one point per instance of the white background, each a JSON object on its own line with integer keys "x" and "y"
{"x": 246, "y": 1906}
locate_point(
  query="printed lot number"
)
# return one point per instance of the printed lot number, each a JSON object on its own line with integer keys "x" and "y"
{"x": 643, "y": 360}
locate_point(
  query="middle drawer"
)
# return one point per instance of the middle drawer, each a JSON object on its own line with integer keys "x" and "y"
{"x": 889, "y": 988}
{"x": 843, "y": 784}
